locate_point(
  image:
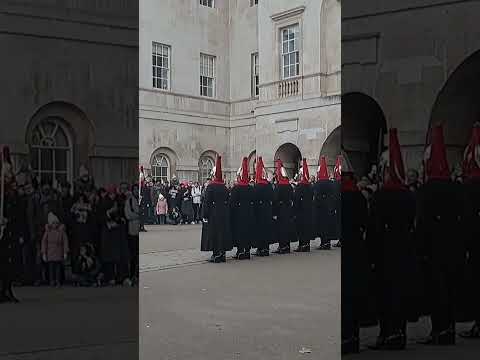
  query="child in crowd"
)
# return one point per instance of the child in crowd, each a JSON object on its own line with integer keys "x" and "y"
{"x": 87, "y": 266}
{"x": 54, "y": 248}
{"x": 161, "y": 209}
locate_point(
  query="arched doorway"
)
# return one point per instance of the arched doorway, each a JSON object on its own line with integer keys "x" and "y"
{"x": 51, "y": 152}
{"x": 331, "y": 147}
{"x": 291, "y": 158}
{"x": 205, "y": 165}
{"x": 362, "y": 132}
{"x": 60, "y": 137}
{"x": 457, "y": 107}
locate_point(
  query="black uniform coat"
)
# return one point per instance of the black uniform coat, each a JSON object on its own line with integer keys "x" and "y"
{"x": 9, "y": 243}
{"x": 393, "y": 254}
{"x": 303, "y": 207}
{"x": 283, "y": 210}
{"x": 355, "y": 268}
{"x": 470, "y": 291}
{"x": 242, "y": 216}
{"x": 442, "y": 244}
{"x": 216, "y": 233}
{"x": 263, "y": 231}
{"x": 325, "y": 210}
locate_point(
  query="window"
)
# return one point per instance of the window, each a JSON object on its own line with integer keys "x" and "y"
{"x": 253, "y": 2}
{"x": 255, "y": 75}
{"x": 160, "y": 168}
{"x": 290, "y": 52}
{"x": 207, "y": 75}
{"x": 161, "y": 66}
{"x": 209, "y": 3}
{"x": 205, "y": 166}
{"x": 51, "y": 152}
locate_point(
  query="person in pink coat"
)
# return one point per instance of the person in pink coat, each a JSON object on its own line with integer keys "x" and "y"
{"x": 161, "y": 209}
{"x": 54, "y": 248}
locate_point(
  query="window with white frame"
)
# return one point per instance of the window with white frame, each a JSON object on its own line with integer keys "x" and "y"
{"x": 207, "y": 75}
{"x": 208, "y": 3}
{"x": 255, "y": 75}
{"x": 161, "y": 66}
{"x": 160, "y": 168}
{"x": 205, "y": 165}
{"x": 253, "y": 2}
{"x": 290, "y": 51}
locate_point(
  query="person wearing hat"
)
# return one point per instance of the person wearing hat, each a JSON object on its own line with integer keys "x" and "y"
{"x": 439, "y": 220}
{"x": 324, "y": 209}
{"x": 302, "y": 208}
{"x": 283, "y": 209}
{"x": 216, "y": 235}
{"x": 471, "y": 170}
{"x": 354, "y": 262}
{"x": 263, "y": 198}
{"x": 391, "y": 252}
{"x": 241, "y": 212}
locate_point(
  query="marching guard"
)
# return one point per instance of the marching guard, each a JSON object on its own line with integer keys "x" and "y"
{"x": 216, "y": 235}
{"x": 263, "y": 195}
{"x": 303, "y": 206}
{"x": 242, "y": 212}
{"x": 283, "y": 209}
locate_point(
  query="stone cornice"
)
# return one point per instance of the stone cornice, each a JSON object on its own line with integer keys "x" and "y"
{"x": 288, "y": 13}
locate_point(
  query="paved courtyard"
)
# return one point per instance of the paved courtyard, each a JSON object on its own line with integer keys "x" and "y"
{"x": 280, "y": 307}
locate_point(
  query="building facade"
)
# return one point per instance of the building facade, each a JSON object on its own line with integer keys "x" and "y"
{"x": 69, "y": 74}
{"x": 435, "y": 72}
{"x": 237, "y": 78}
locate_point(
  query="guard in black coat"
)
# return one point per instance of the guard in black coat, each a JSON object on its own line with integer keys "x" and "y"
{"x": 471, "y": 171}
{"x": 439, "y": 221}
{"x": 393, "y": 213}
{"x": 263, "y": 195}
{"x": 303, "y": 208}
{"x": 355, "y": 267}
{"x": 283, "y": 209}
{"x": 324, "y": 207}
{"x": 242, "y": 213}
{"x": 216, "y": 234}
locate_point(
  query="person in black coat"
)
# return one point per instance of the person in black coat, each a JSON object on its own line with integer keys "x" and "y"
{"x": 440, "y": 214}
{"x": 263, "y": 195}
{"x": 283, "y": 210}
{"x": 392, "y": 253}
{"x": 472, "y": 221}
{"x": 324, "y": 207}
{"x": 303, "y": 207}
{"x": 355, "y": 266}
{"x": 216, "y": 235}
{"x": 242, "y": 213}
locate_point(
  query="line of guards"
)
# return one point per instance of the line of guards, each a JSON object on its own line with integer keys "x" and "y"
{"x": 256, "y": 216}
{"x": 406, "y": 255}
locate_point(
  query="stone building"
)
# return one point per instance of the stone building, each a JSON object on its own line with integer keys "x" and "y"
{"x": 69, "y": 74}
{"x": 237, "y": 78}
{"x": 424, "y": 52}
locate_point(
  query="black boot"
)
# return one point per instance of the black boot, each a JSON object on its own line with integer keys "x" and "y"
{"x": 351, "y": 346}
{"x": 245, "y": 255}
{"x": 220, "y": 258}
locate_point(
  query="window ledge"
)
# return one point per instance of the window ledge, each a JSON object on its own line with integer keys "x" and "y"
{"x": 288, "y": 13}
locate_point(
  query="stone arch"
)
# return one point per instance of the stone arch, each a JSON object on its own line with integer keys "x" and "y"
{"x": 291, "y": 157}
{"x": 171, "y": 157}
{"x": 331, "y": 148}
{"x": 363, "y": 129}
{"x": 330, "y": 39}
{"x": 457, "y": 106}
{"x": 76, "y": 125}
{"x": 206, "y": 163}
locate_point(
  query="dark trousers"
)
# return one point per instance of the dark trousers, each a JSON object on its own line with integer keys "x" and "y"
{"x": 196, "y": 212}
{"x": 443, "y": 299}
{"x": 115, "y": 271}
{"x": 161, "y": 219}
{"x": 55, "y": 272}
{"x": 133, "y": 249}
